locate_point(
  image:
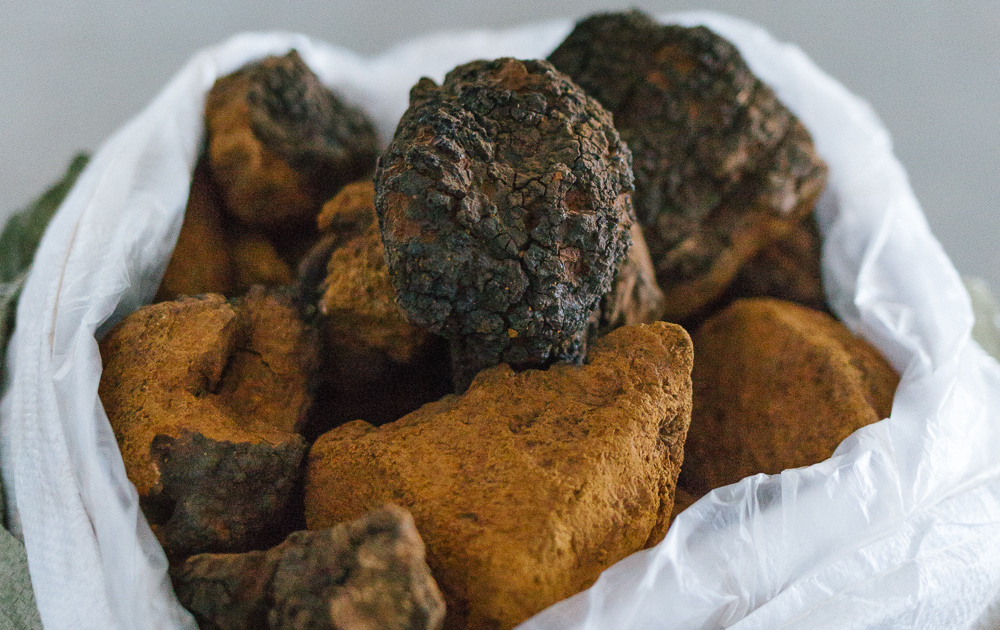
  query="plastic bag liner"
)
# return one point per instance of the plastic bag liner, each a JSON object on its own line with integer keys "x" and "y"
{"x": 899, "y": 529}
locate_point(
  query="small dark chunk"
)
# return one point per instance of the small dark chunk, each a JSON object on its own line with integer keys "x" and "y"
{"x": 722, "y": 168}
{"x": 281, "y": 143}
{"x": 221, "y": 494}
{"x": 504, "y": 202}
{"x": 366, "y": 574}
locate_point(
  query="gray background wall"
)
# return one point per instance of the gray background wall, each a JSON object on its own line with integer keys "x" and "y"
{"x": 73, "y": 72}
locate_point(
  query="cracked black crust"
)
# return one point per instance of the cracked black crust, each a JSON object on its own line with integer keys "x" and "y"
{"x": 504, "y": 202}
{"x": 705, "y": 133}
{"x": 218, "y": 495}
{"x": 368, "y": 573}
{"x": 293, "y": 114}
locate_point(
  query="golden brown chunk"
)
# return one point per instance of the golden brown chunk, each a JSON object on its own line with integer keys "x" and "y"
{"x": 777, "y": 385}
{"x": 201, "y": 262}
{"x": 376, "y": 365}
{"x": 281, "y": 143}
{"x": 216, "y": 254}
{"x": 205, "y": 398}
{"x": 358, "y": 301}
{"x": 531, "y": 483}
{"x": 256, "y": 261}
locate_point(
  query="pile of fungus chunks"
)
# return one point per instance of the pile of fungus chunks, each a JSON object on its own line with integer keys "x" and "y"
{"x": 447, "y": 384}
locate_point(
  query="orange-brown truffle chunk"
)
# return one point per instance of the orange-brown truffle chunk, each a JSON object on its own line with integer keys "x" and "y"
{"x": 777, "y": 385}
{"x": 205, "y": 398}
{"x": 358, "y": 301}
{"x": 201, "y": 262}
{"x": 281, "y": 143}
{"x": 529, "y": 484}
{"x": 376, "y": 365}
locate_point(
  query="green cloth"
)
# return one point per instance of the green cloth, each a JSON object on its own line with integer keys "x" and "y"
{"x": 18, "y": 241}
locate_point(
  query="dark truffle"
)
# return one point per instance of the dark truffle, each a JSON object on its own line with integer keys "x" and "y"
{"x": 366, "y": 574}
{"x": 281, "y": 143}
{"x": 722, "y": 168}
{"x": 504, "y": 203}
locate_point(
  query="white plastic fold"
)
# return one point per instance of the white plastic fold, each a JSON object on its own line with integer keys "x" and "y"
{"x": 899, "y": 529}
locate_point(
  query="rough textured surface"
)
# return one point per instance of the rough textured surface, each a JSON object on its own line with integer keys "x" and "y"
{"x": 205, "y": 397}
{"x": 376, "y": 365}
{"x": 528, "y": 485}
{"x": 281, "y": 143}
{"x": 504, "y": 205}
{"x": 722, "y": 169}
{"x": 777, "y": 385}
{"x": 369, "y": 574}
{"x": 358, "y": 302}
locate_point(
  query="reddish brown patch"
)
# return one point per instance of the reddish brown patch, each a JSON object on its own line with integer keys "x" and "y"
{"x": 512, "y": 76}
{"x": 577, "y": 202}
{"x": 659, "y": 79}
{"x": 676, "y": 58}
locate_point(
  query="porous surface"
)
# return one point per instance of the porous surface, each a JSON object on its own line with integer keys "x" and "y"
{"x": 777, "y": 385}
{"x": 529, "y": 484}
{"x": 376, "y": 365}
{"x": 369, "y": 574}
{"x": 281, "y": 143}
{"x": 722, "y": 168}
{"x": 205, "y": 397}
{"x": 504, "y": 205}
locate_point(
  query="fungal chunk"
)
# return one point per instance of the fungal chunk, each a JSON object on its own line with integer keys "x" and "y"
{"x": 504, "y": 203}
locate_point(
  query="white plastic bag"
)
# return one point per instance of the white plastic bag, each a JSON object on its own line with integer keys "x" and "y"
{"x": 900, "y": 529}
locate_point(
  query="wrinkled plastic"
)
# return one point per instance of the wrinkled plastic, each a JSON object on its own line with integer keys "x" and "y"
{"x": 899, "y": 529}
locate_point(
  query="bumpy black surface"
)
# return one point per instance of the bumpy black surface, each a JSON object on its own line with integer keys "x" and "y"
{"x": 704, "y": 132}
{"x": 295, "y": 115}
{"x": 220, "y": 495}
{"x": 369, "y": 573}
{"x": 504, "y": 202}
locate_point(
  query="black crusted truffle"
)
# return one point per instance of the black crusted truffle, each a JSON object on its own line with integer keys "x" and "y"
{"x": 722, "y": 168}
{"x": 504, "y": 202}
